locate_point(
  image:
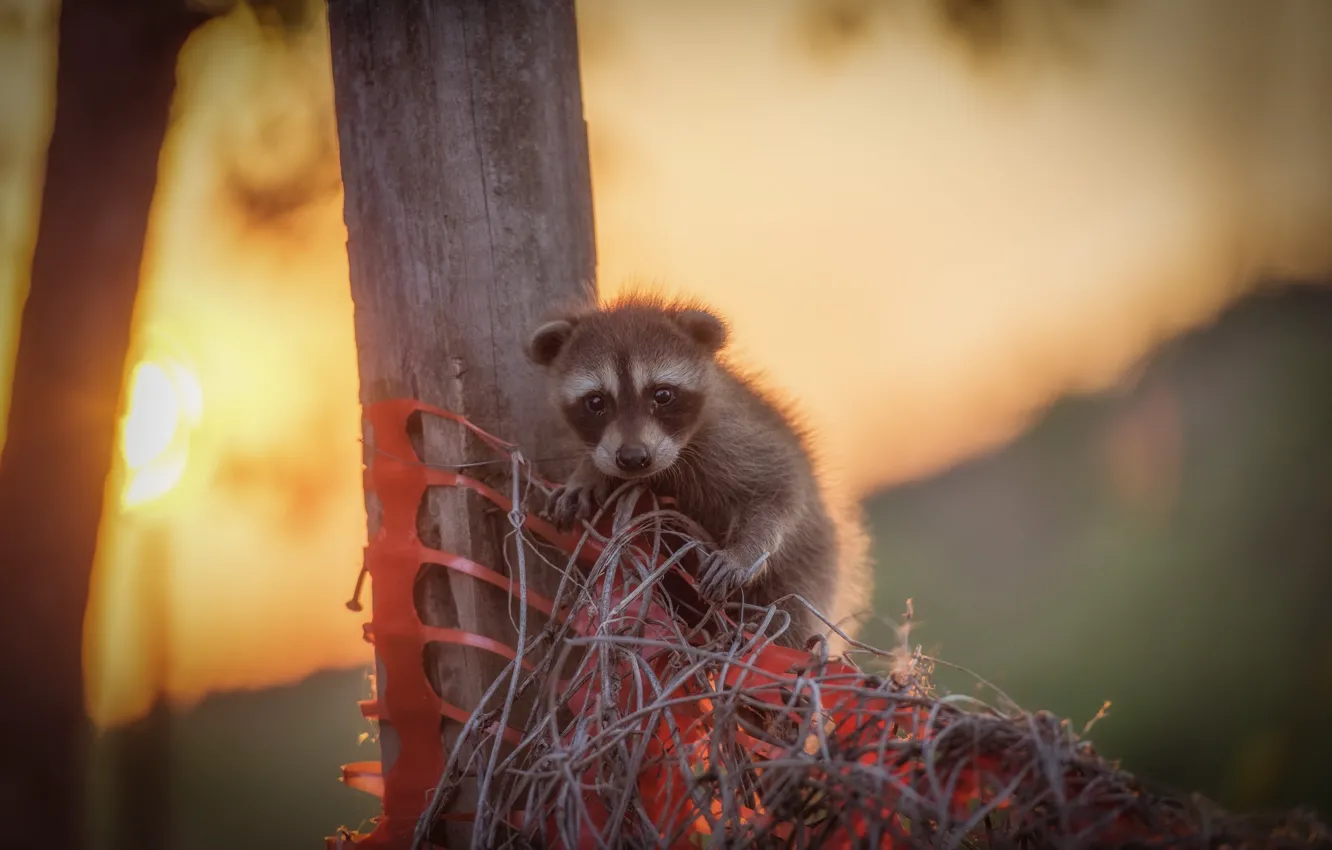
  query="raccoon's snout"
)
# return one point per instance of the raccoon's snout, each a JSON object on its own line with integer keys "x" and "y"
{"x": 633, "y": 458}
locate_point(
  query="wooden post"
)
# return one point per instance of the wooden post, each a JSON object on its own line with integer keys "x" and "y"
{"x": 114, "y": 85}
{"x": 469, "y": 213}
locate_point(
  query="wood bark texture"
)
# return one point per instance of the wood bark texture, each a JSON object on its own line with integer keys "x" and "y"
{"x": 469, "y": 216}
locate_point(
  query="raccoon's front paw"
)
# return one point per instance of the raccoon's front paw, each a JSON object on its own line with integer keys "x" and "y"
{"x": 574, "y": 502}
{"x": 721, "y": 575}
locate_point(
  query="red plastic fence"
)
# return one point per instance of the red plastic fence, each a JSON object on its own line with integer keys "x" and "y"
{"x": 406, "y": 700}
{"x": 404, "y": 697}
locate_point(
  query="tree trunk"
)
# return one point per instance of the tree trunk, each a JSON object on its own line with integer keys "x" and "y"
{"x": 469, "y": 214}
{"x": 114, "y": 84}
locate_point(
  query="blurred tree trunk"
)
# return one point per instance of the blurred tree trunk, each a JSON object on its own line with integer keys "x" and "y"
{"x": 114, "y": 82}
{"x": 469, "y": 213}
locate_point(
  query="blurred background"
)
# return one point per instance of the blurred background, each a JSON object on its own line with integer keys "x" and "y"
{"x": 1048, "y": 278}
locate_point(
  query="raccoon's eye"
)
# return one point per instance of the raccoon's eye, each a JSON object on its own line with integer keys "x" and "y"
{"x": 595, "y": 402}
{"x": 663, "y": 396}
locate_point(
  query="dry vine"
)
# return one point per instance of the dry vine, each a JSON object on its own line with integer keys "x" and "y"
{"x": 658, "y": 721}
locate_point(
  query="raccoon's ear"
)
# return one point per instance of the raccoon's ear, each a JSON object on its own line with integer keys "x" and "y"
{"x": 702, "y": 327}
{"x": 547, "y": 340}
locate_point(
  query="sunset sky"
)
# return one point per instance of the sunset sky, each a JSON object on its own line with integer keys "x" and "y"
{"x": 923, "y": 230}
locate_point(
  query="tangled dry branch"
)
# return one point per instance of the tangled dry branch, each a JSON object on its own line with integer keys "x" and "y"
{"x": 642, "y": 717}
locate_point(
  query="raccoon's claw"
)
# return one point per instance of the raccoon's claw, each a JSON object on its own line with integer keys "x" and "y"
{"x": 571, "y": 504}
{"x": 567, "y": 505}
{"x": 720, "y": 576}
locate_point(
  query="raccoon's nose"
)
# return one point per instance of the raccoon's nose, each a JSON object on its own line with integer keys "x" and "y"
{"x": 632, "y": 458}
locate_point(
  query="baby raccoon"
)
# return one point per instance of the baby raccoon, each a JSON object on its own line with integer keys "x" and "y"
{"x": 640, "y": 384}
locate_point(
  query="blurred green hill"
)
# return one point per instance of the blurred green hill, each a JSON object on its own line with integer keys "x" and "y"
{"x": 1167, "y": 547}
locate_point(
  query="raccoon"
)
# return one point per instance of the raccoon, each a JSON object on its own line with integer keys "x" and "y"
{"x": 642, "y": 385}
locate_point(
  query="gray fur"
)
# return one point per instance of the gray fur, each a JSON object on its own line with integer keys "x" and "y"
{"x": 742, "y": 469}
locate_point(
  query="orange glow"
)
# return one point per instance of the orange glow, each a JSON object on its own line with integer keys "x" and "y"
{"x": 244, "y": 331}
{"x": 920, "y": 249}
{"x": 164, "y": 403}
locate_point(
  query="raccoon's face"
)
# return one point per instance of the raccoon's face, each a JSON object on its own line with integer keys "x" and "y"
{"x": 631, "y": 381}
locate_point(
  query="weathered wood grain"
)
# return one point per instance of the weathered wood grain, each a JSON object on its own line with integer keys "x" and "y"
{"x": 469, "y": 214}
